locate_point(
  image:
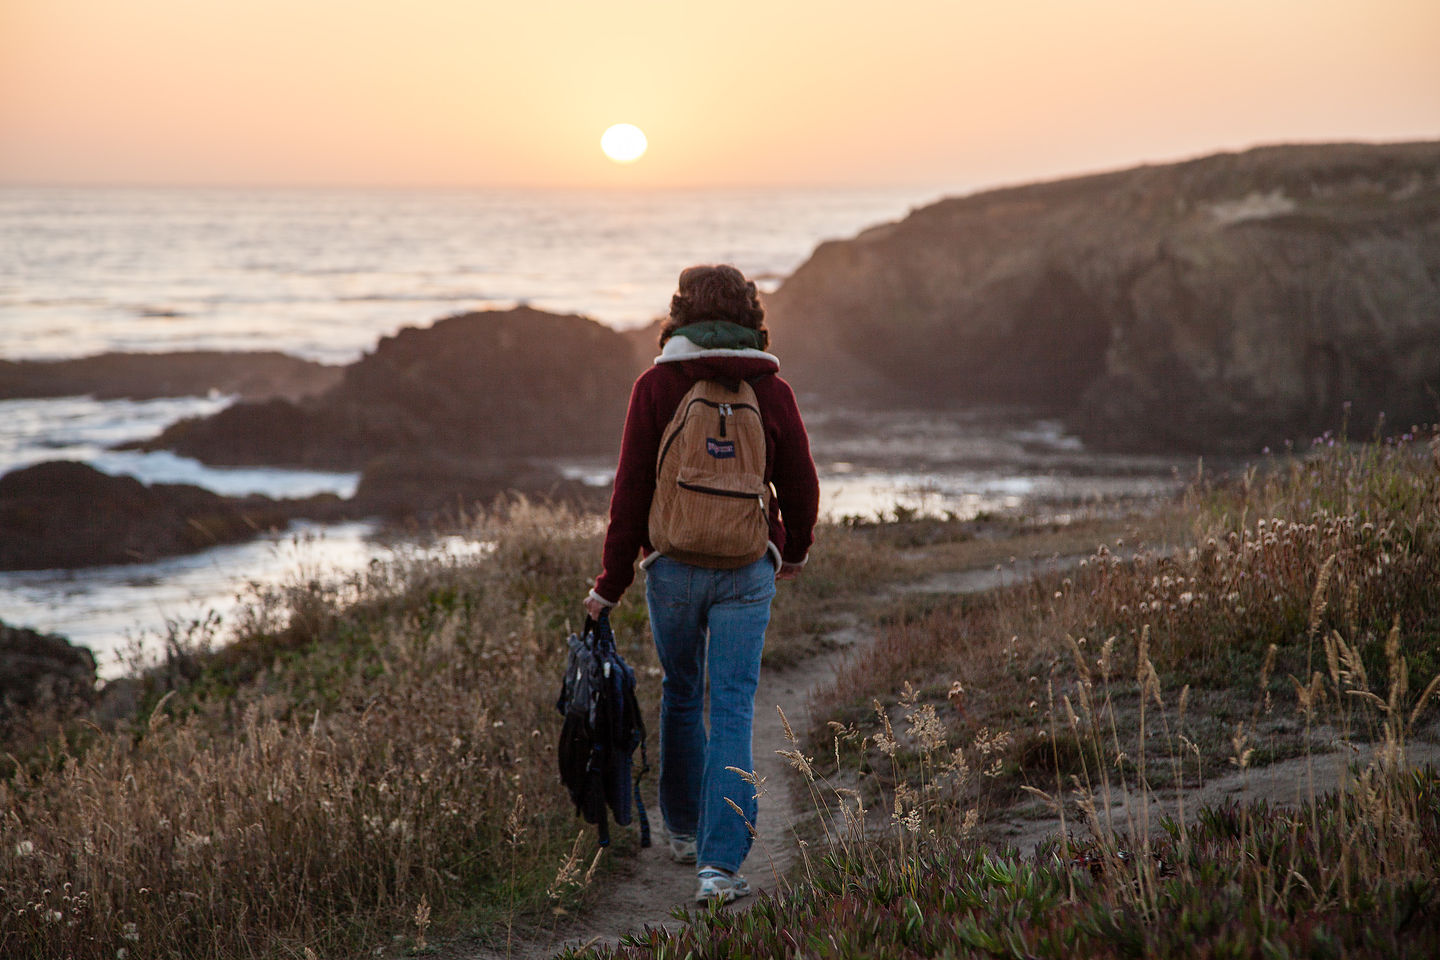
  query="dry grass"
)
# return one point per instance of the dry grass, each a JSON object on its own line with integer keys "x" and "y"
{"x": 340, "y": 772}
{"x": 1347, "y": 539}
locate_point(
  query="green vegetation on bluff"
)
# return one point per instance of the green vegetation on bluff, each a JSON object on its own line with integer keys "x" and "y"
{"x": 1099, "y": 705}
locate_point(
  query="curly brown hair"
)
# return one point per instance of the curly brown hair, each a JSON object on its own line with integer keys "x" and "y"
{"x": 718, "y": 292}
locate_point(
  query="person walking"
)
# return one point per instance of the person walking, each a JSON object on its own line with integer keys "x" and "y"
{"x": 716, "y": 491}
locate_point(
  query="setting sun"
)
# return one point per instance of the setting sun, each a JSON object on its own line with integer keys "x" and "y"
{"x": 624, "y": 143}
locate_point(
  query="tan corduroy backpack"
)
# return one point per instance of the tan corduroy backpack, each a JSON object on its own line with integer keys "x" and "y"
{"x": 711, "y": 504}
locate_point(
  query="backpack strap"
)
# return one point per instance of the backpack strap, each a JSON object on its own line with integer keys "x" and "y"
{"x": 604, "y": 825}
{"x": 607, "y": 636}
{"x": 603, "y": 635}
{"x": 597, "y": 631}
{"x": 639, "y": 802}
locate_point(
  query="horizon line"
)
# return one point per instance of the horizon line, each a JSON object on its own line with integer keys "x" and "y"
{"x": 950, "y": 189}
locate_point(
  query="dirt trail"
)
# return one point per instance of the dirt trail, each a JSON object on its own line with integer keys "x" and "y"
{"x": 654, "y": 885}
{"x": 1293, "y": 782}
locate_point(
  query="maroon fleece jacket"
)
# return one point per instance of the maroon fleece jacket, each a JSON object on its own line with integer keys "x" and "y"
{"x": 653, "y": 401}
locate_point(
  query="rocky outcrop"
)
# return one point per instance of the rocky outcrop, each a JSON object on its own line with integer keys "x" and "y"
{"x": 1218, "y": 304}
{"x": 509, "y": 383}
{"x": 64, "y": 514}
{"x": 269, "y": 433}
{"x": 42, "y": 669}
{"x": 645, "y": 342}
{"x": 144, "y": 376}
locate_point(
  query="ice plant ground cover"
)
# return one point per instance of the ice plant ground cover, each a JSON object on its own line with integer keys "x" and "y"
{"x": 1300, "y": 622}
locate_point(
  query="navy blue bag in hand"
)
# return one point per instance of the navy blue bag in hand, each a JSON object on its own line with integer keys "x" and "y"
{"x": 602, "y": 728}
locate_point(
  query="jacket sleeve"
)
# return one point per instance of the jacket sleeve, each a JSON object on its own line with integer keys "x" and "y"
{"x": 796, "y": 487}
{"x": 628, "y": 530}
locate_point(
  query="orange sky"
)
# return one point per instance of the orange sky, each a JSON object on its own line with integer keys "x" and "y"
{"x": 517, "y": 92}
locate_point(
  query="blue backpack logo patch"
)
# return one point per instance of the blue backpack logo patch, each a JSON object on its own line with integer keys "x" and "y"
{"x": 720, "y": 449}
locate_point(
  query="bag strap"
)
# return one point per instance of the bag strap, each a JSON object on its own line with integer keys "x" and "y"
{"x": 597, "y": 633}
{"x": 598, "y": 792}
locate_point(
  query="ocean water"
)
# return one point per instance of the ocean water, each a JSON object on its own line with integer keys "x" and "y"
{"x": 324, "y": 274}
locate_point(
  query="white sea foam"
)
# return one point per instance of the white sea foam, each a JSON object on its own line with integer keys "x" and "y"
{"x": 114, "y": 610}
{"x": 85, "y": 429}
{"x": 165, "y": 467}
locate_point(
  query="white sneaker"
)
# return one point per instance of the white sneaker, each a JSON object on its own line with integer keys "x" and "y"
{"x": 682, "y": 848}
{"x": 720, "y": 885}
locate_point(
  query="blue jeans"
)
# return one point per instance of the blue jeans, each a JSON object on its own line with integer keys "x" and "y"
{"x": 733, "y": 607}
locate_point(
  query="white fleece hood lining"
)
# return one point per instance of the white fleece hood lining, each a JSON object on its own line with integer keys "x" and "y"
{"x": 679, "y": 348}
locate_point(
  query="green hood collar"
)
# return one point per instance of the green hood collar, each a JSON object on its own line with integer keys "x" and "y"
{"x": 719, "y": 335}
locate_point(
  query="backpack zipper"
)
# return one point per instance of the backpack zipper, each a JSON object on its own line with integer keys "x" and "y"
{"x": 717, "y": 492}
{"x": 670, "y": 440}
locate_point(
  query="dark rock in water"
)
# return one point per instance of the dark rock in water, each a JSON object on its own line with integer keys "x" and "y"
{"x": 1218, "y": 304}
{"x": 509, "y": 383}
{"x": 68, "y": 515}
{"x": 267, "y": 433}
{"x": 63, "y": 514}
{"x": 141, "y": 376}
{"x": 41, "y": 668}
{"x": 435, "y": 486}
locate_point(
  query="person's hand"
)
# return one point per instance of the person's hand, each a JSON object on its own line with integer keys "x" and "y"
{"x": 594, "y": 608}
{"x": 789, "y": 571}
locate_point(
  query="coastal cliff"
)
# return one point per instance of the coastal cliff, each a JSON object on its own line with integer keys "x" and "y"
{"x": 1213, "y": 305}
